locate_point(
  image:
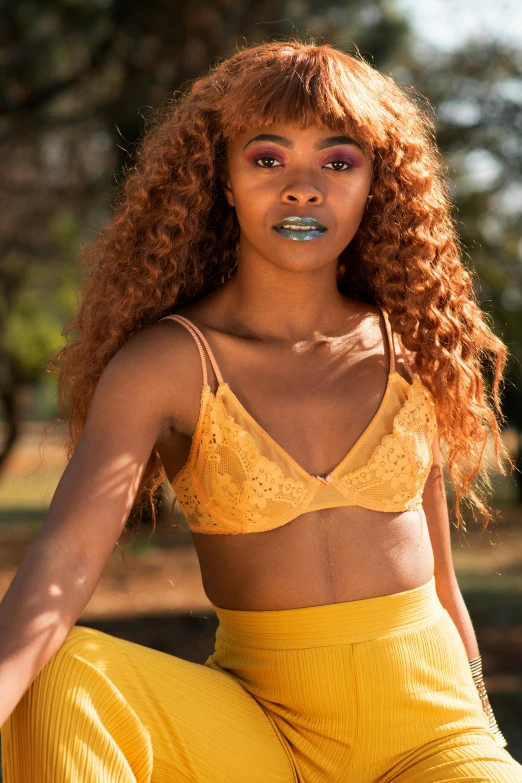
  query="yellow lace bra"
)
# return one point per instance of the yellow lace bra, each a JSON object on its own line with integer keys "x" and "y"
{"x": 237, "y": 479}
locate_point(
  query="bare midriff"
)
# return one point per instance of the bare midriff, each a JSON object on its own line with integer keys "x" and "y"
{"x": 322, "y": 557}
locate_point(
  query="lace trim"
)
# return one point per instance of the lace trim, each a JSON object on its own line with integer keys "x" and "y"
{"x": 403, "y": 458}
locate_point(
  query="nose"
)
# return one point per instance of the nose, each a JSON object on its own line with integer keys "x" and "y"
{"x": 303, "y": 193}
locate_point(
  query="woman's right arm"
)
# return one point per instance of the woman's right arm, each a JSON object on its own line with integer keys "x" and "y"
{"x": 58, "y": 575}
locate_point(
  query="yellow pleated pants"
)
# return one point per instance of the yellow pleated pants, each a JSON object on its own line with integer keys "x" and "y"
{"x": 369, "y": 691}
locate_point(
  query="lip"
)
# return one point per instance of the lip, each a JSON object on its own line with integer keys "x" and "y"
{"x": 304, "y": 222}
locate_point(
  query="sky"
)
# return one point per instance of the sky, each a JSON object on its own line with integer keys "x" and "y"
{"x": 448, "y": 23}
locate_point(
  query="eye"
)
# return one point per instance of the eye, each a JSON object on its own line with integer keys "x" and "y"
{"x": 343, "y": 161}
{"x": 265, "y": 157}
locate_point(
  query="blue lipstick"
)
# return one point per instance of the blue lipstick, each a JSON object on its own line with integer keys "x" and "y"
{"x": 300, "y": 228}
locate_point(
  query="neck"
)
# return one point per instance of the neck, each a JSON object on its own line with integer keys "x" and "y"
{"x": 284, "y": 305}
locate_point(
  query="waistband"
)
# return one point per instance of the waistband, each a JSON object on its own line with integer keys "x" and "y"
{"x": 347, "y": 622}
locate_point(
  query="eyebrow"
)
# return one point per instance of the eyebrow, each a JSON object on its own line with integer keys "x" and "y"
{"x": 331, "y": 141}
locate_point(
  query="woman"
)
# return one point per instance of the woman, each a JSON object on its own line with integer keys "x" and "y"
{"x": 276, "y": 319}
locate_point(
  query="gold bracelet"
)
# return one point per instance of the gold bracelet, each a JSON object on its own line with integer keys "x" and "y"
{"x": 476, "y": 671}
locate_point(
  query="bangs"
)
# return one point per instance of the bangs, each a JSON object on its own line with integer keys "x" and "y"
{"x": 307, "y": 86}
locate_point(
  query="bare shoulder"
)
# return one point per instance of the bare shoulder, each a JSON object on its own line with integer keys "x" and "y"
{"x": 146, "y": 385}
{"x": 164, "y": 357}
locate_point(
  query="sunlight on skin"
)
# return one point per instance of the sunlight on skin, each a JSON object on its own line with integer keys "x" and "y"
{"x": 290, "y": 171}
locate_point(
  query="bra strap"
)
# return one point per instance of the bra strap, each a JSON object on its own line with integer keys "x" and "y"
{"x": 200, "y": 339}
{"x": 390, "y": 339}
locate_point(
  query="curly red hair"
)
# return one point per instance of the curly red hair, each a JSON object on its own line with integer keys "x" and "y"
{"x": 173, "y": 237}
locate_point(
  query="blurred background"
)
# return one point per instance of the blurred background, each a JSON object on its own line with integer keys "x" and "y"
{"x": 78, "y": 80}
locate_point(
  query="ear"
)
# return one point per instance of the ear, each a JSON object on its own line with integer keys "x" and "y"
{"x": 225, "y": 184}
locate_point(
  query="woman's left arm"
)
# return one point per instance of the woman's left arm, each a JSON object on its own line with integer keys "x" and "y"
{"x": 436, "y": 510}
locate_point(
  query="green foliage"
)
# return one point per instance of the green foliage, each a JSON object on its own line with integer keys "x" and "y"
{"x": 34, "y": 324}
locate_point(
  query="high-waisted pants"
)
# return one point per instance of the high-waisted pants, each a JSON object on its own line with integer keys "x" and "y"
{"x": 366, "y": 691}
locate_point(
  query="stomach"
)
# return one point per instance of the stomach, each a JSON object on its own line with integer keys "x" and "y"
{"x": 321, "y": 557}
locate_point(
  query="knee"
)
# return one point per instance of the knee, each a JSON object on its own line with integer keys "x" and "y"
{"x": 77, "y": 638}
{"x": 54, "y": 679}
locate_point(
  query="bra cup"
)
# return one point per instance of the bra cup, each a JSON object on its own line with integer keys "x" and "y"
{"x": 394, "y": 477}
{"x": 386, "y": 482}
{"x": 241, "y": 487}
{"x": 416, "y": 426}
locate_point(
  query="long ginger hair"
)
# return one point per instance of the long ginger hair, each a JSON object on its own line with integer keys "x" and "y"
{"x": 173, "y": 237}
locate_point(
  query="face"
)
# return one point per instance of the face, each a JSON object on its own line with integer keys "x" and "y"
{"x": 281, "y": 173}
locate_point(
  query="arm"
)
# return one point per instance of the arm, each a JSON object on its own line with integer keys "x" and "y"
{"x": 87, "y": 514}
{"x": 436, "y": 510}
